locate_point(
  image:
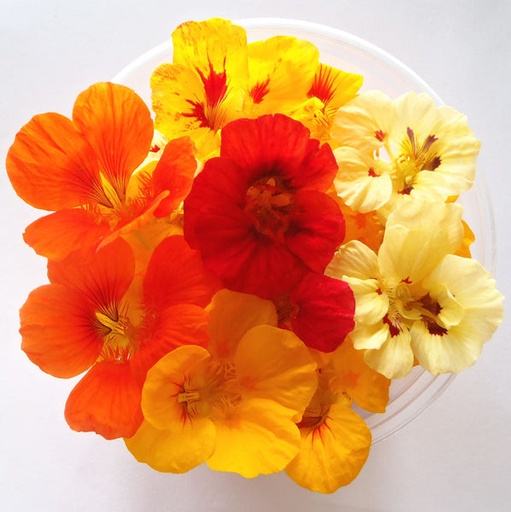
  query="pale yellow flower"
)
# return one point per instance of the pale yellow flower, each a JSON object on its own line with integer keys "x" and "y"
{"x": 389, "y": 150}
{"x": 415, "y": 298}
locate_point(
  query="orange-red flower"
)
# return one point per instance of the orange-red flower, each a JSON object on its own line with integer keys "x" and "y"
{"x": 259, "y": 214}
{"x": 82, "y": 169}
{"x": 98, "y": 314}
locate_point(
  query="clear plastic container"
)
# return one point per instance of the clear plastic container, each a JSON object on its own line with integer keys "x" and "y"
{"x": 413, "y": 394}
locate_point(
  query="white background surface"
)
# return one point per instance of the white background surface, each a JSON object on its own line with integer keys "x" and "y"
{"x": 455, "y": 457}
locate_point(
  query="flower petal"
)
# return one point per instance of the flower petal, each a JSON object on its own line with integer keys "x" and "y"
{"x": 175, "y": 326}
{"x": 163, "y": 384}
{"x": 57, "y": 331}
{"x": 332, "y": 454}
{"x": 366, "y": 387}
{"x": 117, "y": 124}
{"x": 394, "y": 358}
{"x": 56, "y": 235}
{"x": 274, "y": 364}
{"x": 106, "y": 401}
{"x": 175, "y": 275}
{"x": 232, "y": 314}
{"x": 174, "y": 172}
{"x": 325, "y": 313}
{"x": 177, "y": 449}
{"x": 358, "y": 183}
{"x": 316, "y": 229}
{"x": 51, "y": 166}
{"x": 258, "y": 437}
{"x": 103, "y": 276}
{"x": 354, "y": 259}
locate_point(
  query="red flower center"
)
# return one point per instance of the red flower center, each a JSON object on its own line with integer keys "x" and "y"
{"x": 269, "y": 202}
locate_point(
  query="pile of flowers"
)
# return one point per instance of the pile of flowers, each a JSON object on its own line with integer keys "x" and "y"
{"x": 237, "y": 271}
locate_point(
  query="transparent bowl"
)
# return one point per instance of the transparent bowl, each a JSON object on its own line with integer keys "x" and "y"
{"x": 413, "y": 394}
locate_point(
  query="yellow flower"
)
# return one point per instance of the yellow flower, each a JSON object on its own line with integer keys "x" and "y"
{"x": 234, "y": 406}
{"x": 335, "y": 440}
{"x": 389, "y": 150}
{"x": 415, "y": 298}
{"x": 204, "y": 87}
{"x": 217, "y": 77}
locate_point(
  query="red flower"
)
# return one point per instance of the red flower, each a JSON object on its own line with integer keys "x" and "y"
{"x": 259, "y": 214}
{"x": 319, "y": 311}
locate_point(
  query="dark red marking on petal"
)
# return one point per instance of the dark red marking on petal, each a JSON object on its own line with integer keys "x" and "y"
{"x": 323, "y": 85}
{"x": 215, "y": 85}
{"x": 198, "y": 113}
{"x": 259, "y": 91}
{"x": 380, "y": 135}
{"x": 393, "y": 329}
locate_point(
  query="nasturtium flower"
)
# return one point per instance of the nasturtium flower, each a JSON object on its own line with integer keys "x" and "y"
{"x": 389, "y": 150}
{"x": 415, "y": 298}
{"x": 331, "y": 88}
{"x": 203, "y": 89}
{"x": 96, "y": 315}
{"x": 259, "y": 214}
{"x": 335, "y": 439}
{"x": 83, "y": 170}
{"x": 233, "y": 406}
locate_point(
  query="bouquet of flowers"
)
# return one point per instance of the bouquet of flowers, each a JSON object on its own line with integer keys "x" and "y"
{"x": 236, "y": 271}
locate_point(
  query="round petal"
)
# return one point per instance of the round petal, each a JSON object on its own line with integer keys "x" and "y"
{"x": 174, "y": 172}
{"x": 394, "y": 358}
{"x": 103, "y": 276}
{"x": 177, "y": 449}
{"x": 362, "y": 182}
{"x": 316, "y": 229}
{"x": 271, "y": 64}
{"x": 175, "y": 275}
{"x": 182, "y": 324}
{"x": 258, "y": 437}
{"x": 274, "y": 364}
{"x": 57, "y": 235}
{"x": 365, "y": 122}
{"x": 57, "y": 331}
{"x": 232, "y": 314}
{"x": 106, "y": 401}
{"x": 354, "y": 259}
{"x": 51, "y": 166}
{"x": 325, "y": 310}
{"x": 118, "y": 125}
{"x": 279, "y": 144}
{"x": 417, "y": 236}
{"x": 333, "y": 453}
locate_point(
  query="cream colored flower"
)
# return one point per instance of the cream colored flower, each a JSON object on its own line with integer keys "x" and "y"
{"x": 415, "y": 298}
{"x": 425, "y": 151}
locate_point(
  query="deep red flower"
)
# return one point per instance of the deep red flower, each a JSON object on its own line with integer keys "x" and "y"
{"x": 319, "y": 311}
{"x": 259, "y": 214}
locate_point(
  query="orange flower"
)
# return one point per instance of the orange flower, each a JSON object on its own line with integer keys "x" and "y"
{"x": 82, "y": 169}
{"x": 96, "y": 314}
{"x": 335, "y": 440}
